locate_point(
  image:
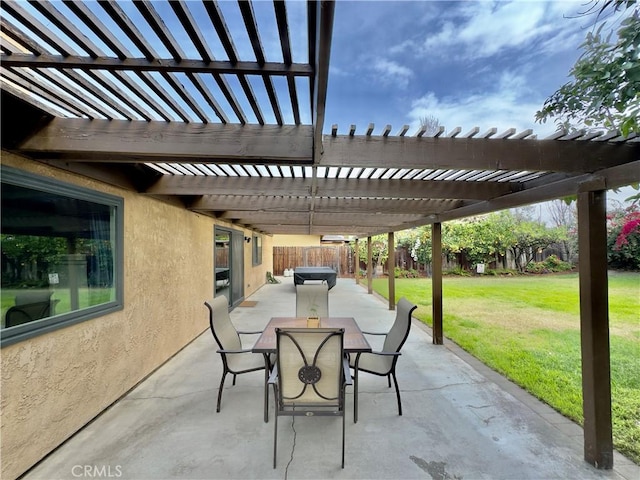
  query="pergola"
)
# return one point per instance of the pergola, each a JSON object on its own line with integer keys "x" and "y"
{"x": 131, "y": 94}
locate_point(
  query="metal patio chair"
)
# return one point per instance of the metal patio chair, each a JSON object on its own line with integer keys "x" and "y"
{"x": 310, "y": 375}
{"x": 29, "y": 312}
{"x": 235, "y": 359}
{"x": 312, "y": 300}
{"x": 383, "y": 362}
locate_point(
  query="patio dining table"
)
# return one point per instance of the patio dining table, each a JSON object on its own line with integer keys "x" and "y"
{"x": 354, "y": 342}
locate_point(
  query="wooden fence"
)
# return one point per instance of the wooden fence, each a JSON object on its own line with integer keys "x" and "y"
{"x": 342, "y": 259}
{"x": 339, "y": 257}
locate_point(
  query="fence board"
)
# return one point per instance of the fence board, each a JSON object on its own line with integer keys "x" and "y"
{"x": 338, "y": 257}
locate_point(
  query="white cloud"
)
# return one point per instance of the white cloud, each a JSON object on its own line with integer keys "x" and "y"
{"x": 335, "y": 71}
{"x": 483, "y": 29}
{"x": 507, "y": 106}
{"x": 390, "y": 72}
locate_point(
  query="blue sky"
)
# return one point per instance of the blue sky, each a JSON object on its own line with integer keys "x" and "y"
{"x": 472, "y": 63}
{"x": 467, "y": 63}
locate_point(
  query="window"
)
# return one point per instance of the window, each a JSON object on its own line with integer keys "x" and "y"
{"x": 257, "y": 250}
{"x": 61, "y": 254}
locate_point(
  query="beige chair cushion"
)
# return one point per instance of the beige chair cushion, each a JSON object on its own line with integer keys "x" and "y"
{"x": 394, "y": 339}
{"x": 229, "y": 338}
{"x": 312, "y": 300}
{"x": 312, "y": 348}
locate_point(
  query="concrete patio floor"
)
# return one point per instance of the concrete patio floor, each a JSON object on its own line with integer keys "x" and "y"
{"x": 461, "y": 420}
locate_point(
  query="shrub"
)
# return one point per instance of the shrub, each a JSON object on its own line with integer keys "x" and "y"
{"x": 500, "y": 272}
{"x": 557, "y": 265}
{"x": 549, "y": 265}
{"x": 623, "y": 239}
{"x": 458, "y": 271}
{"x": 403, "y": 273}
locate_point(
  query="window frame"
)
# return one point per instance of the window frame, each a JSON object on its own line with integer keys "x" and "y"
{"x": 21, "y": 178}
{"x": 256, "y": 250}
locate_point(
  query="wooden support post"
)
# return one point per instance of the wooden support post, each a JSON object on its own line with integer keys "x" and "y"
{"x": 391, "y": 266}
{"x": 369, "y": 266}
{"x": 357, "y": 262}
{"x": 436, "y": 282}
{"x": 594, "y": 329}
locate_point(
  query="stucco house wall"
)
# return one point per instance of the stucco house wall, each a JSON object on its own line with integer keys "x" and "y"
{"x": 255, "y": 277}
{"x": 296, "y": 240}
{"x": 55, "y": 383}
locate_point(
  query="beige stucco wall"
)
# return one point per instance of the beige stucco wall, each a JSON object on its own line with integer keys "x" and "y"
{"x": 296, "y": 240}
{"x": 55, "y": 383}
{"x": 255, "y": 277}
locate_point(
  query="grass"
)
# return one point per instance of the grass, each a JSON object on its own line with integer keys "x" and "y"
{"x": 87, "y": 297}
{"x": 528, "y": 329}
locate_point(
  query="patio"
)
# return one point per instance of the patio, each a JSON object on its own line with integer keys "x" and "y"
{"x": 461, "y": 420}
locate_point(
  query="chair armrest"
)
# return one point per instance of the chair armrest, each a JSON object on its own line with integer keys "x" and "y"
{"x": 390, "y": 354}
{"x": 374, "y": 333}
{"x": 347, "y": 373}
{"x": 250, "y": 332}
{"x": 273, "y": 377}
{"x": 244, "y": 350}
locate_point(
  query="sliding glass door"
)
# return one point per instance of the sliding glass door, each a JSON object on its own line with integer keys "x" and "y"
{"x": 229, "y": 264}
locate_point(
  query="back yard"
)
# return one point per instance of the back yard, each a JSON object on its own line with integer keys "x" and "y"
{"x": 528, "y": 329}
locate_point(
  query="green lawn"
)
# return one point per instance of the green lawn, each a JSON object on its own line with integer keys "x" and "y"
{"x": 528, "y": 328}
{"x": 87, "y": 297}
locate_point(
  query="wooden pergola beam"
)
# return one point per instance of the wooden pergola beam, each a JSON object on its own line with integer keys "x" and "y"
{"x": 320, "y": 219}
{"x": 417, "y": 189}
{"x": 321, "y": 205}
{"x": 474, "y": 153}
{"x": 323, "y": 31}
{"x": 252, "y": 186}
{"x": 612, "y": 178}
{"x": 336, "y": 187}
{"x": 127, "y": 141}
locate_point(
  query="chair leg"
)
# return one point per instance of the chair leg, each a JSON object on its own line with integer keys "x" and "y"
{"x": 234, "y": 379}
{"x": 343, "y": 415}
{"x": 395, "y": 381}
{"x": 224, "y": 374}
{"x": 275, "y": 436}
{"x": 389, "y": 380}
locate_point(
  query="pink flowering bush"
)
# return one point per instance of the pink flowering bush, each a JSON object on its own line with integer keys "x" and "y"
{"x": 623, "y": 238}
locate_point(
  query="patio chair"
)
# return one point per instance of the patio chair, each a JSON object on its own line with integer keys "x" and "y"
{"x": 235, "y": 359}
{"x": 383, "y": 362}
{"x": 310, "y": 375}
{"x": 312, "y": 300}
{"x": 29, "y": 312}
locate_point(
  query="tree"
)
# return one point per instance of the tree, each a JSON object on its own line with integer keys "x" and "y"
{"x": 529, "y": 238}
{"x": 605, "y": 92}
{"x": 26, "y": 259}
{"x": 430, "y": 123}
{"x": 564, "y": 215}
{"x": 379, "y": 250}
{"x": 478, "y": 240}
{"x": 417, "y": 241}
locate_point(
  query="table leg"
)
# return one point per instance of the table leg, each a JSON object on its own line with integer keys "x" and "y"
{"x": 355, "y": 389}
{"x": 267, "y": 364}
